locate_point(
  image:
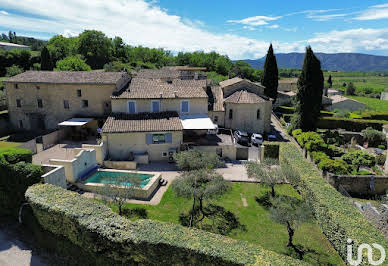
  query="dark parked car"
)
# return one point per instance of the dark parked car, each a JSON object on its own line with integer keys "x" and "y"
{"x": 241, "y": 137}
{"x": 272, "y": 138}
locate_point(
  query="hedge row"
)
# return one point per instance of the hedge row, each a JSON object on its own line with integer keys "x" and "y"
{"x": 338, "y": 218}
{"x": 349, "y": 124}
{"x": 271, "y": 150}
{"x": 97, "y": 229}
{"x": 16, "y": 175}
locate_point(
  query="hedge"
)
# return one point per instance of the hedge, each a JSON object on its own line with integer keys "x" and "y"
{"x": 96, "y": 228}
{"x": 16, "y": 175}
{"x": 271, "y": 150}
{"x": 349, "y": 124}
{"x": 338, "y": 218}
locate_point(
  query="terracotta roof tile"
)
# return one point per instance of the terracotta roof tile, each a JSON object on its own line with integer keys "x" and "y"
{"x": 142, "y": 122}
{"x": 229, "y": 82}
{"x": 218, "y": 95}
{"x": 64, "y": 77}
{"x": 243, "y": 96}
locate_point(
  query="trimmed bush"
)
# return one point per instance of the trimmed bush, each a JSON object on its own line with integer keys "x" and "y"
{"x": 271, "y": 150}
{"x": 338, "y": 167}
{"x": 16, "y": 178}
{"x": 380, "y": 159}
{"x": 96, "y": 228}
{"x": 374, "y": 137}
{"x": 338, "y": 218}
{"x": 359, "y": 158}
{"x": 349, "y": 124}
{"x": 319, "y": 156}
{"x": 334, "y": 151}
{"x": 296, "y": 132}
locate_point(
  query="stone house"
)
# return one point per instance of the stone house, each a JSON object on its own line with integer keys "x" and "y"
{"x": 39, "y": 100}
{"x": 287, "y": 84}
{"x": 241, "y": 104}
{"x": 343, "y": 103}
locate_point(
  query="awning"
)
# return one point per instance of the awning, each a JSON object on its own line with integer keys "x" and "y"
{"x": 197, "y": 122}
{"x": 75, "y": 122}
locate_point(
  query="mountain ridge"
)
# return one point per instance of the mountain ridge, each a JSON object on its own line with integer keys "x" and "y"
{"x": 346, "y": 62}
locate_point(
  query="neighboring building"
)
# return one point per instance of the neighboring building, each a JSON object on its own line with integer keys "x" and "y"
{"x": 285, "y": 98}
{"x": 241, "y": 104}
{"x": 344, "y": 103}
{"x": 11, "y": 46}
{"x": 384, "y": 95}
{"x": 39, "y": 100}
{"x": 287, "y": 84}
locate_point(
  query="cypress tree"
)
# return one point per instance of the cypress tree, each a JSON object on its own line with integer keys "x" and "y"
{"x": 270, "y": 75}
{"x": 45, "y": 60}
{"x": 330, "y": 81}
{"x": 309, "y": 94}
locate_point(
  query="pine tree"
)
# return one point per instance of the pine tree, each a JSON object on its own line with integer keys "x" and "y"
{"x": 309, "y": 94}
{"x": 45, "y": 59}
{"x": 330, "y": 81}
{"x": 270, "y": 76}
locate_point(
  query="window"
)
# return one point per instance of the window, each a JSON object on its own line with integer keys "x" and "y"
{"x": 20, "y": 123}
{"x": 85, "y": 103}
{"x": 16, "y": 86}
{"x": 231, "y": 114}
{"x": 131, "y": 107}
{"x": 18, "y": 103}
{"x": 215, "y": 119}
{"x": 66, "y": 104}
{"x": 258, "y": 114}
{"x": 37, "y": 87}
{"x": 164, "y": 154}
{"x": 185, "y": 106}
{"x": 155, "y": 106}
{"x": 79, "y": 93}
{"x": 169, "y": 81}
{"x": 40, "y": 103}
{"x": 158, "y": 138}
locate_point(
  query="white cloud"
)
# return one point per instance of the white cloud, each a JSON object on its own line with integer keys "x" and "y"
{"x": 374, "y": 13}
{"x": 3, "y": 12}
{"x": 255, "y": 21}
{"x": 326, "y": 17}
{"x": 69, "y": 33}
{"x": 274, "y": 26}
{"x": 143, "y": 23}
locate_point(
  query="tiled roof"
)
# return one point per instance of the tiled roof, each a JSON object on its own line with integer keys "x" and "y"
{"x": 65, "y": 77}
{"x": 229, "y": 82}
{"x": 218, "y": 95}
{"x": 141, "y": 88}
{"x": 142, "y": 122}
{"x": 244, "y": 97}
{"x": 158, "y": 73}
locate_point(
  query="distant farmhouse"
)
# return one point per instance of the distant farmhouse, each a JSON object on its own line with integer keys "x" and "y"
{"x": 343, "y": 103}
{"x": 11, "y": 46}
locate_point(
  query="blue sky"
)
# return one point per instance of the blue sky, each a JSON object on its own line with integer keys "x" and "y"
{"x": 240, "y": 29}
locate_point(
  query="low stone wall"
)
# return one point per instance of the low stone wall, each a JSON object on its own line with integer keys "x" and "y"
{"x": 228, "y": 151}
{"x": 122, "y": 165}
{"x": 348, "y": 135}
{"x": 29, "y": 145}
{"x": 142, "y": 159}
{"x": 364, "y": 185}
{"x": 83, "y": 162}
{"x": 101, "y": 151}
{"x": 55, "y": 175}
{"x": 53, "y": 138}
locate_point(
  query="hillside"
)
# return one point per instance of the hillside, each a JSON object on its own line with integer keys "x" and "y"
{"x": 348, "y": 62}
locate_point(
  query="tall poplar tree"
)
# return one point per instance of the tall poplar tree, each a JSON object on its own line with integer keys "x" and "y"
{"x": 309, "y": 94}
{"x": 270, "y": 76}
{"x": 45, "y": 59}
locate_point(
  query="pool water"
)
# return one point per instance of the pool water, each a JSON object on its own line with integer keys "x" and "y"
{"x": 108, "y": 177}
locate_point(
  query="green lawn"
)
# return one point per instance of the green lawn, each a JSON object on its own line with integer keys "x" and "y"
{"x": 6, "y": 144}
{"x": 259, "y": 228}
{"x": 373, "y": 103}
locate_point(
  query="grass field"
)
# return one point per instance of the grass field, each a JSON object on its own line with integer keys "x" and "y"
{"x": 259, "y": 228}
{"x": 373, "y": 103}
{"x": 6, "y": 144}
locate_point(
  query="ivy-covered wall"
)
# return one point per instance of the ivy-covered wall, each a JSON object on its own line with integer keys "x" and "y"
{"x": 95, "y": 228}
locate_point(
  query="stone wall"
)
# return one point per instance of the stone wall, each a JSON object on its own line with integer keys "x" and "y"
{"x": 29, "y": 145}
{"x": 55, "y": 175}
{"x": 228, "y": 151}
{"x": 53, "y": 138}
{"x": 121, "y": 165}
{"x": 363, "y": 185}
{"x": 101, "y": 151}
{"x": 243, "y": 85}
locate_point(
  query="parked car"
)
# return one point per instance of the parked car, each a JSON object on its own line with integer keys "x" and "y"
{"x": 272, "y": 138}
{"x": 241, "y": 137}
{"x": 256, "y": 139}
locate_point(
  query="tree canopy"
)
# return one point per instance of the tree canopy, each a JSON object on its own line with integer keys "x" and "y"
{"x": 270, "y": 75}
{"x": 194, "y": 160}
{"x": 72, "y": 63}
{"x": 96, "y": 48}
{"x": 309, "y": 93}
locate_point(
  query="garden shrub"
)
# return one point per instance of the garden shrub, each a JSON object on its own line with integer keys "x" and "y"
{"x": 338, "y": 167}
{"x": 271, "y": 150}
{"x": 374, "y": 137}
{"x": 96, "y": 228}
{"x": 305, "y": 137}
{"x": 296, "y": 132}
{"x": 380, "y": 159}
{"x": 319, "y": 156}
{"x": 16, "y": 175}
{"x": 349, "y": 124}
{"x": 364, "y": 172}
{"x": 337, "y": 217}
{"x": 334, "y": 151}
{"x": 359, "y": 158}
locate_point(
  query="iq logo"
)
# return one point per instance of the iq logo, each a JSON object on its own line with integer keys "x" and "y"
{"x": 369, "y": 253}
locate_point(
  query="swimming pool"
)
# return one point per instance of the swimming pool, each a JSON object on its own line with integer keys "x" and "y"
{"x": 110, "y": 177}
{"x": 101, "y": 177}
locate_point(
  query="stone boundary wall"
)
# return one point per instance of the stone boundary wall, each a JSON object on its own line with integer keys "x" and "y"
{"x": 101, "y": 151}
{"x": 53, "y": 138}
{"x": 121, "y": 165}
{"x": 364, "y": 185}
{"x": 29, "y": 145}
{"x": 54, "y": 175}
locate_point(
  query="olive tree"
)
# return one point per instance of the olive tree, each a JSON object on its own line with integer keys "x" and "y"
{"x": 200, "y": 185}
{"x": 120, "y": 189}
{"x": 194, "y": 160}
{"x": 290, "y": 212}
